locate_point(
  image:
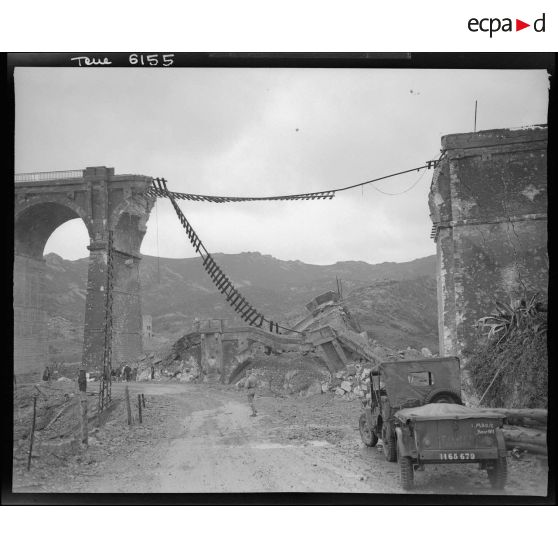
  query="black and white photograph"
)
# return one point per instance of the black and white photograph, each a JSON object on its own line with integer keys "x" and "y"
{"x": 258, "y": 278}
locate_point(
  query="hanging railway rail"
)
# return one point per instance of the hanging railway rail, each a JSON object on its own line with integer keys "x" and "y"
{"x": 157, "y": 192}
{"x": 238, "y": 302}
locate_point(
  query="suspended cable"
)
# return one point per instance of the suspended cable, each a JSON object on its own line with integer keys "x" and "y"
{"x": 403, "y": 191}
{"x": 324, "y": 194}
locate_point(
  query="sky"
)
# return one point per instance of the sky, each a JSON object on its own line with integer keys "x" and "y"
{"x": 266, "y": 132}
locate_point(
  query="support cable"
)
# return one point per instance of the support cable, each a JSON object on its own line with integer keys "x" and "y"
{"x": 408, "y": 189}
{"x": 324, "y": 194}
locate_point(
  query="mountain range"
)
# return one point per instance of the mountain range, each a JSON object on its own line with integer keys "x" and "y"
{"x": 394, "y": 302}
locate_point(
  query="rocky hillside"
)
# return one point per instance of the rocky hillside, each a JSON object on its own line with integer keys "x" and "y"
{"x": 394, "y": 302}
{"x": 398, "y": 313}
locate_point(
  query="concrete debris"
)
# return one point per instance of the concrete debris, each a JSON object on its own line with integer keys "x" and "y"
{"x": 410, "y": 354}
{"x": 346, "y": 386}
{"x": 314, "y": 389}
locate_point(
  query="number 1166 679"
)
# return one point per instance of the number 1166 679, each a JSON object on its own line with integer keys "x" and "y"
{"x": 454, "y": 456}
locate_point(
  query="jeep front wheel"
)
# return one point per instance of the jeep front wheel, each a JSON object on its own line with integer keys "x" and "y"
{"x": 390, "y": 444}
{"x": 407, "y": 475}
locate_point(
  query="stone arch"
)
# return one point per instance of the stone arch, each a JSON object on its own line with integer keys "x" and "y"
{"x": 35, "y": 222}
{"x": 104, "y": 202}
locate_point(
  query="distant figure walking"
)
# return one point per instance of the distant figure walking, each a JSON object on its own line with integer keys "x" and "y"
{"x": 46, "y": 375}
{"x": 152, "y": 372}
{"x": 250, "y": 384}
{"x": 127, "y": 373}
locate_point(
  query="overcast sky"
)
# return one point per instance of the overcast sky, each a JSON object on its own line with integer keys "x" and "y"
{"x": 264, "y": 132}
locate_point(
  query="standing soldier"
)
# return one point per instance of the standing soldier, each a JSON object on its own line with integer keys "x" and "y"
{"x": 250, "y": 385}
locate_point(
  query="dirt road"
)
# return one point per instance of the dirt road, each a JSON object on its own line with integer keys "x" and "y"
{"x": 200, "y": 438}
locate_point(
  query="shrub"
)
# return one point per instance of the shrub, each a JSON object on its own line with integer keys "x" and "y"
{"x": 510, "y": 366}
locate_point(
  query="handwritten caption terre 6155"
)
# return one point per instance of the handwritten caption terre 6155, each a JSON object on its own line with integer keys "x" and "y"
{"x": 164, "y": 60}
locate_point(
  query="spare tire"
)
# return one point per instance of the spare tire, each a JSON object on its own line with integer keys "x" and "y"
{"x": 443, "y": 395}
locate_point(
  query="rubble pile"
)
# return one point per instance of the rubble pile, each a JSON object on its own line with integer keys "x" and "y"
{"x": 354, "y": 380}
{"x": 169, "y": 364}
{"x": 288, "y": 374}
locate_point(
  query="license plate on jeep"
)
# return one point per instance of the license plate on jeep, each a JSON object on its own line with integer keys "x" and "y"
{"x": 457, "y": 456}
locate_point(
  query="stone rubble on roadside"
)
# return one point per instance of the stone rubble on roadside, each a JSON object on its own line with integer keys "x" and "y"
{"x": 354, "y": 380}
{"x": 351, "y": 382}
{"x": 346, "y": 386}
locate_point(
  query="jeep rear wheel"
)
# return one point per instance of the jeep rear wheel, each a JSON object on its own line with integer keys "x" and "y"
{"x": 407, "y": 475}
{"x": 390, "y": 444}
{"x": 367, "y": 434}
{"x": 498, "y": 475}
{"x": 443, "y": 395}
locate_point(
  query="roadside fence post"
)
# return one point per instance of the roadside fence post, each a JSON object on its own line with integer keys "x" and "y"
{"x": 128, "y": 407}
{"x": 32, "y": 432}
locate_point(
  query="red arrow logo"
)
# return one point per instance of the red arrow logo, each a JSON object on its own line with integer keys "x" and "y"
{"x": 519, "y": 25}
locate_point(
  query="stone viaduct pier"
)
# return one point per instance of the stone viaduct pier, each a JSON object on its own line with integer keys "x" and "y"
{"x": 488, "y": 204}
{"x": 105, "y": 202}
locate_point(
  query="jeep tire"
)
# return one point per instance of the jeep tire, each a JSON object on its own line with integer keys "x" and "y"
{"x": 367, "y": 434}
{"x": 498, "y": 474}
{"x": 389, "y": 443}
{"x": 407, "y": 475}
{"x": 443, "y": 395}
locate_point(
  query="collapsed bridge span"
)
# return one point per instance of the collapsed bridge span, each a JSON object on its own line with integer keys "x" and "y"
{"x": 218, "y": 349}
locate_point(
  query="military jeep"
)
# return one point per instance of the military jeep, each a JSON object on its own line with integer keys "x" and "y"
{"x": 449, "y": 434}
{"x": 405, "y": 384}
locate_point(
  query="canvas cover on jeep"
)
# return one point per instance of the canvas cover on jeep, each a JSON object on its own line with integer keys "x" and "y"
{"x": 434, "y": 411}
{"x": 408, "y": 382}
